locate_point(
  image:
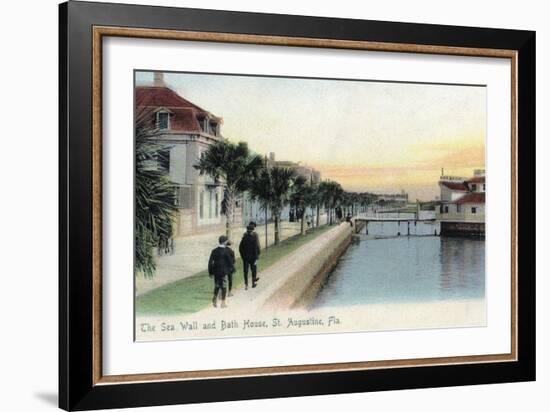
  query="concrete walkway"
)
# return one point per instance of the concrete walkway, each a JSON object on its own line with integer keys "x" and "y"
{"x": 191, "y": 254}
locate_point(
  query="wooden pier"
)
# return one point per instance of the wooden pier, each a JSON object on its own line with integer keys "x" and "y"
{"x": 363, "y": 219}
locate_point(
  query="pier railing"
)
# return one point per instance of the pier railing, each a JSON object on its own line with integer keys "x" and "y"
{"x": 362, "y": 220}
{"x": 423, "y": 215}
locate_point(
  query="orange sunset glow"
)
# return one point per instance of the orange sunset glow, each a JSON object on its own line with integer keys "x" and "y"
{"x": 369, "y": 136}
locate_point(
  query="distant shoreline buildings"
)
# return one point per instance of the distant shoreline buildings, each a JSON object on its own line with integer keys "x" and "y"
{"x": 309, "y": 173}
{"x": 400, "y": 198}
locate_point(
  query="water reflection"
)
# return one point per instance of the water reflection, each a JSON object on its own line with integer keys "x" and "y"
{"x": 406, "y": 269}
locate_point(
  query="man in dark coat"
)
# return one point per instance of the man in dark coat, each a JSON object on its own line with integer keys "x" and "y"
{"x": 254, "y": 233}
{"x": 220, "y": 265}
{"x": 230, "y": 275}
{"x": 249, "y": 249}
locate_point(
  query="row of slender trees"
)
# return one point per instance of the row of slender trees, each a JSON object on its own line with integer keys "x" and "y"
{"x": 273, "y": 187}
{"x": 240, "y": 171}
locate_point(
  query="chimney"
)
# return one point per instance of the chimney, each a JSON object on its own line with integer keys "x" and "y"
{"x": 158, "y": 79}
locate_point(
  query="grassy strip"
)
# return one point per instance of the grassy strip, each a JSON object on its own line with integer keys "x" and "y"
{"x": 194, "y": 293}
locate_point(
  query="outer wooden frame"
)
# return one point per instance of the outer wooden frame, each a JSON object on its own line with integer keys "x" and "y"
{"x": 81, "y": 383}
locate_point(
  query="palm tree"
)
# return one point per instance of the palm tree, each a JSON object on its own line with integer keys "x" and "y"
{"x": 316, "y": 201}
{"x": 236, "y": 166}
{"x": 154, "y": 201}
{"x": 363, "y": 201}
{"x": 337, "y": 194}
{"x": 322, "y": 197}
{"x": 273, "y": 187}
{"x": 357, "y": 198}
{"x": 367, "y": 199}
{"x": 282, "y": 180}
{"x": 260, "y": 189}
{"x": 349, "y": 201}
{"x": 301, "y": 197}
{"x": 346, "y": 202}
{"x": 332, "y": 194}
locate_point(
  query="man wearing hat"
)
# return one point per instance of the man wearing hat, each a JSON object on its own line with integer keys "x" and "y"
{"x": 249, "y": 249}
{"x": 220, "y": 265}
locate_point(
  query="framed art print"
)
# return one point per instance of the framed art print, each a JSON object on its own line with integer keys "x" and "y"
{"x": 259, "y": 205}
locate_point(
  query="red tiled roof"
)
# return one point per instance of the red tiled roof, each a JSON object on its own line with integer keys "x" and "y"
{"x": 162, "y": 97}
{"x": 474, "y": 197}
{"x": 477, "y": 179}
{"x": 461, "y": 187}
{"x": 184, "y": 113}
{"x": 184, "y": 119}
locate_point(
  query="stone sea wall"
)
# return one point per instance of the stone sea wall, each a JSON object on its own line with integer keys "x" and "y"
{"x": 307, "y": 269}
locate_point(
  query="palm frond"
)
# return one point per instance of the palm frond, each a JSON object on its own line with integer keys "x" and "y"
{"x": 154, "y": 201}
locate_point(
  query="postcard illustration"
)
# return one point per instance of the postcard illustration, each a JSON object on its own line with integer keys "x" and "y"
{"x": 270, "y": 206}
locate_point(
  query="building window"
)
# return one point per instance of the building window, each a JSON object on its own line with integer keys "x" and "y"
{"x": 163, "y": 120}
{"x": 203, "y": 123}
{"x": 446, "y": 209}
{"x": 185, "y": 197}
{"x": 214, "y": 128}
{"x": 201, "y": 205}
{"x": 459, "y": 208}
{"x": 216, "y": 205}
{"x": 474, "y": 210}
{"x": 474, "y": 187}
{"x": 484, "y": 187}
{"x": 210, "y": 200}
{"x": 178, "y": 196}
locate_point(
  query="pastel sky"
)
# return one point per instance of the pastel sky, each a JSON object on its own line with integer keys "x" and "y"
{"x": 368, "y": 136}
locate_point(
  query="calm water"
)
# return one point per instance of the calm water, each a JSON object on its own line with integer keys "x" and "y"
{"x": 385, "y": 268}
